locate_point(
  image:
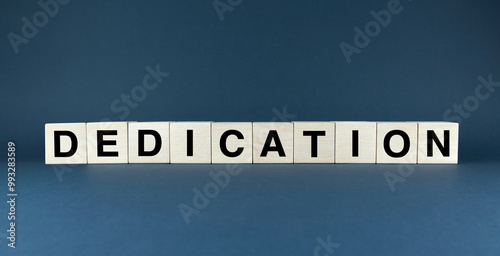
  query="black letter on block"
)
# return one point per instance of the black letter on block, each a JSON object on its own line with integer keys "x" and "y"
{"x": 445, "y": 149}
{"x": 355, "y": 143}
{"x": 387, "y": 143}
{"x": 189, "y": 142}
{"x": 101, "y": 142}
{"x": 157, "y": 147}
{"x": 273, "y": 134}
{"x": 314, "y": 140}
{"x": 223, "y": 140}
{"x": 57, "y": 143}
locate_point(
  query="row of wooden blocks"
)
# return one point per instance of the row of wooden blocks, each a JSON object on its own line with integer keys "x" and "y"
{"x": 214, "y": 142}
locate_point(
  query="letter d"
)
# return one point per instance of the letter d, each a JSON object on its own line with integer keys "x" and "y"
{"x": 361, "y": 35}
{"x": 57, "y": 144}
{"x": 199, "y": 200}
{"x": 29, "y": 30}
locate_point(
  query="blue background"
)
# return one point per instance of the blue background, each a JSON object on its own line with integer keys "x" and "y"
{"x": 264, "y": 56}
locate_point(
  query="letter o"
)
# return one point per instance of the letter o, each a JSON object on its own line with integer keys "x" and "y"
{"x": 372, "y": 24}
{"x": 471, "y": 99}
{"x": 36, "y": 19}
{"x": 143, "y": 93}
{"x": 387, "y": 143}
{"x": 214, "y": 187}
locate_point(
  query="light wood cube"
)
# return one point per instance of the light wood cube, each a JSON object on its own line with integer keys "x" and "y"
{"x": 149, "y": 142}
{"x": 356, "y": 142}
{"x": 190, "y": 142}
{"x": 66, "y": 143}
{"x": 313, "y": 142}
{"x": 397, "y": 142}
{"x": 231, "y": 143}
{"x": 107, "y": 143}
{"x": 437, "y": 143}
{"x": 273, "y": 142}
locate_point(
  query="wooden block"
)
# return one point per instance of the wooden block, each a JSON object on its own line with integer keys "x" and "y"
{"x": 149, "y": 142}
{"x": 397, "y": 142}
{"x": 437, "y": 143}
{"x": 313, "y": 142}
{"x": 107, "y": 143}
{"x": 273, "y": 142}
{"x": 66, "y": 143}
{"x": 190, "y": 142}
{"x": 356, "y": 142}
{"x": 231, "y": 143}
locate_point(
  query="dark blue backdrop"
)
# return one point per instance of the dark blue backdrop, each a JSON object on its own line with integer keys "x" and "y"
{"x": 249, "y": 64}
